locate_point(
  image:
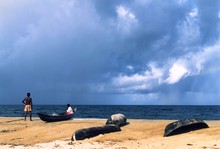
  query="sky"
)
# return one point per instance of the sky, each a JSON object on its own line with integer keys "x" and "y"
{"x": 117, "y": 52}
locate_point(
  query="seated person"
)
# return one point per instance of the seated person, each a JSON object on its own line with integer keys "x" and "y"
{"x": 69, "y": 110}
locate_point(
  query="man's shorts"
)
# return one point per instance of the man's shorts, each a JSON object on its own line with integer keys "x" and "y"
{"x": 27, "y": 108}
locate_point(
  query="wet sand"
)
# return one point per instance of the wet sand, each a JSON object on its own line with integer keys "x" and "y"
{"x": 17, "y": 133}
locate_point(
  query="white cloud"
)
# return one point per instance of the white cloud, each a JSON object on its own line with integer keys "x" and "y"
{"x": 154, "y": 76}
{"x": 139, "y": 81}
{"x": 126, "y": 80}
{"x": 171, "y": 72}
{"x": 156, "y": 72}
{"x": 125, "y": 13}
{"x": 194, "y": 12}
{"x": 126, "y": 19}
{"x": 210, "y": 54}
{"x": 129, "y": 67}
{"x": 176, "y": 72}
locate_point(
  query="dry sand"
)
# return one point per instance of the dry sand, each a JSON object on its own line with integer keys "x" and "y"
{"x": 17, "y": 133}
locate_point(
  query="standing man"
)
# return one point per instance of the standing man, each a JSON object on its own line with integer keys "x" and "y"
{"x": 27, "y": 106}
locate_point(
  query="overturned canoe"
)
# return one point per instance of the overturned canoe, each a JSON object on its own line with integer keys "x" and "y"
{"x": 117, "y": 119}
{"x": 183, "y": 126}
{"x": 94, "y": 131}
{"x": 54, "y": 117}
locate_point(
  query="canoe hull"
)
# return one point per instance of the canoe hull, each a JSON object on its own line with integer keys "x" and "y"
{"x": 183, "y": 126}
{"x": 94, "y": 131}
{"x": 54, "y": 118}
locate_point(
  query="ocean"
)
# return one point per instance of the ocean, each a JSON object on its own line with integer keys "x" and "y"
{"x": 163, "y": 112}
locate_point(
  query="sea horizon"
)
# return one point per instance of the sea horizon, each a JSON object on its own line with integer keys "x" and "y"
{"x": 206, "y": 112}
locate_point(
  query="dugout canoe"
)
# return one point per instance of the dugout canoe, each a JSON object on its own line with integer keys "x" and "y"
{"x": 54, "y": 117}
{"x": 183, "y": 126}
{"x": 94, "y": 131}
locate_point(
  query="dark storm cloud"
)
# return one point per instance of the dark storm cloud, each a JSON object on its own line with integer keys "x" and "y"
{"x": 108, "y": 52}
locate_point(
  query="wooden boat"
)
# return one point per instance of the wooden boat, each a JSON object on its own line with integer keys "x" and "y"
{"x": 183, "y": 126}
{"x": 94, "y": 131}
{"x": 54, "y": 117}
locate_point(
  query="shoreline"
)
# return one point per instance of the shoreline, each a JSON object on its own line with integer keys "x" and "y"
{"x": 17, "y": 133}
{"x": 37, "y": 117}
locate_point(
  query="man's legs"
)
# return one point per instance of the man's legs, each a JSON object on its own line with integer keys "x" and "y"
{"x": 30, "y": 116}
{"x": 25, "y": 115}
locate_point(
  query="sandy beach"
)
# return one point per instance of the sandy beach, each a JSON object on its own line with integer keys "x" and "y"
{"x": 17, "y": 133}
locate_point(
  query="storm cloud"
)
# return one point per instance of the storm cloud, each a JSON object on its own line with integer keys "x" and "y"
{"x": 110, "y": 52}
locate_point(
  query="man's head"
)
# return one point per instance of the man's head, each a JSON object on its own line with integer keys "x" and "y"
{"x": 28, "y": 94}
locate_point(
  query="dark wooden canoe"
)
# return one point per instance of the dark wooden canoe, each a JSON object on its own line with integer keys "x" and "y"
{"x": 54, "y": 117}
{"x": 183, "y": 126}
{"x": 94, "y": 131}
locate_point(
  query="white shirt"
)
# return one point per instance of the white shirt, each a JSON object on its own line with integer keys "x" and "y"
{"x": 69, "y": 110}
